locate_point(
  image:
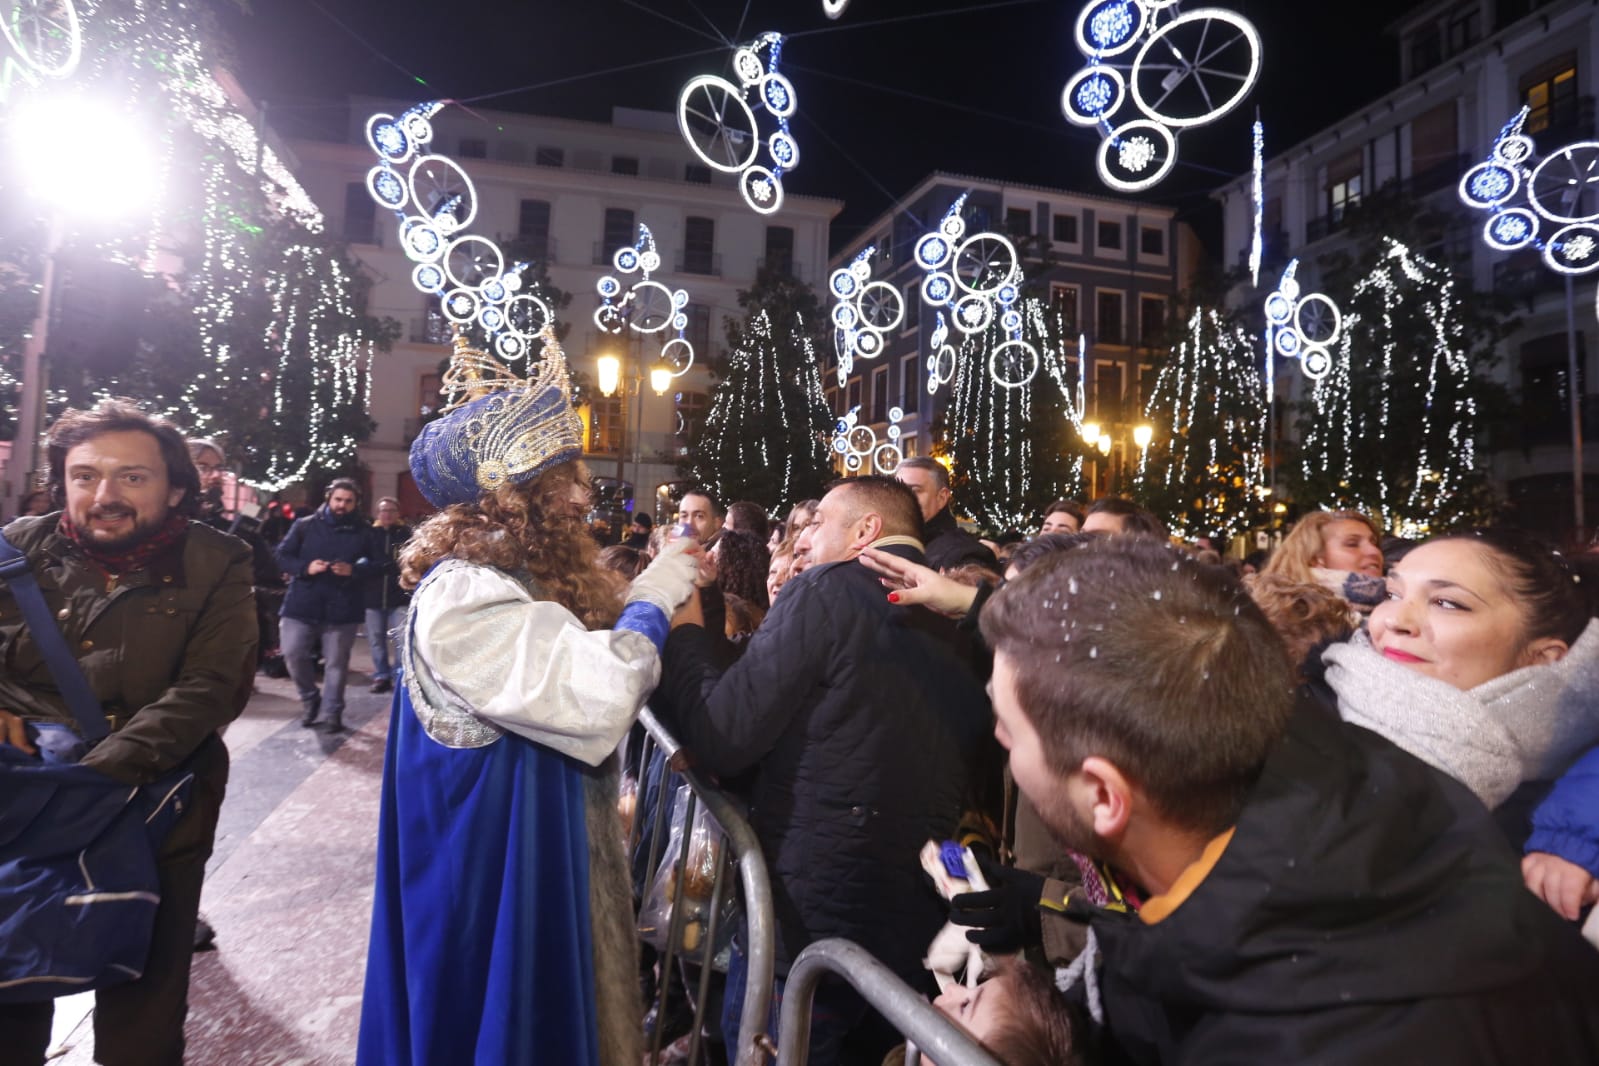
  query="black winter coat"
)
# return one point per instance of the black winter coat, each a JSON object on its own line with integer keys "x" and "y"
{"x": 381, "y": 589}
{"x": 862, "y": 722}
{"x": 949, "y": 546}
{"x": 1366, "y": 911}
{"x": 325, "y": 598}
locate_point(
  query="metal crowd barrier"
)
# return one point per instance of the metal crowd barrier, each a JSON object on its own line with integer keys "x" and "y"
{"x": 758, "y": 942}
{"x": 926, "y": 1029}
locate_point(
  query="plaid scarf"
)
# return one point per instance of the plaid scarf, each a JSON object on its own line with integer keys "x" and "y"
{"x": 133, "y": 557}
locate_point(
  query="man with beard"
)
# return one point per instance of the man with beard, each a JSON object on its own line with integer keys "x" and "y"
{"x": 1312, "y": 892}
{"x": 159, "y": 613}
{"x": 325, "y": 556}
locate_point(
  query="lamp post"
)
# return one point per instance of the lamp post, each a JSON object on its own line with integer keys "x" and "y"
{"x": 59, "y": 142}
{"x": 612, "y": 380}
{"x": 1104, "y": 438}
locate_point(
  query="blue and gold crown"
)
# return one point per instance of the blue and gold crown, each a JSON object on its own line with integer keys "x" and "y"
{"x": 498, "y": 429}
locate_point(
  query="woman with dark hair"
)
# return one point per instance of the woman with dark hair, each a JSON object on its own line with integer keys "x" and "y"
{"x": 501, "y": 927}
{"x": 741, "y": 565}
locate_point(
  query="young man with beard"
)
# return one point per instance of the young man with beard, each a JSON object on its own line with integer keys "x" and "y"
{"x": 1314, "y": 894}
{"x": 159, "y": 612}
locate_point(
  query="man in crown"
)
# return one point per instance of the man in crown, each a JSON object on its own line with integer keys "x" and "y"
{"x": 502, "y": 924}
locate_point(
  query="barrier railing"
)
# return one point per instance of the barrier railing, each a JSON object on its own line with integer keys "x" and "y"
{"x": 922, "y": 1024}
{"x": 758, "y": 941}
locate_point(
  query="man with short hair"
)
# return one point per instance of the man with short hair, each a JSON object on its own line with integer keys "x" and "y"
{"x": 1112, "y": 514}
{"x": 700, "y": 511}
{"x": 746, "y": 516}
{"x": 859, "y": 722}
{"x": 159, "y": 612}
{"x": 325, "y": 556}
{"x": 948, "y": 546}
{"x": 382, "y": 595}
{"x": 1314, "y": 894}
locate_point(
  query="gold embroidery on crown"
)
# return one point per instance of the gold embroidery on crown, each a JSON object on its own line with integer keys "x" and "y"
{"x": 504, "y": 439}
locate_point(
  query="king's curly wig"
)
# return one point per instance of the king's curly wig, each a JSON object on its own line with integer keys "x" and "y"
{"x": 528, "y": 527}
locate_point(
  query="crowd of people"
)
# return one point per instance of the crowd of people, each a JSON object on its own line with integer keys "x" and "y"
{"x": 1338, "y": 803}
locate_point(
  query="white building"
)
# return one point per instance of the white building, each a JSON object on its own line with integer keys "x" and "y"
{"x": 576, "y": 191}
{"x": 1468, "y": 66}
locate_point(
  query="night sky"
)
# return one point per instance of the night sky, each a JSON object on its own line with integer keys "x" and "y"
{"x": 893, "y": 90}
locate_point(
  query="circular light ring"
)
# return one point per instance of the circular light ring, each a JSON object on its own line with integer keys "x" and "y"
{"x": 834, "y": 8}
{"x": 609, "y": 319}
{"x": 762, "y": 190}
{"x": 932, "y": 251}
{"x": 952, "y": 227}
{"x": 973, "y": 313}
{"x": 441, "y": 190}
{"x": 513, "y": 280}
{"x": 1110, "y": 27}
{"x": 868, "y": 343}
{"x": 652, "y": 307}
{"x": 1164, "y": 155}
{"x": 862, "y": 440}
{"x": 941, "y": 367}
{"x": 938, "y": 288}
{"x": 58, "y": 25}
{"x": 1289, "y": 343}
{"x": 1013, "y": 364}
{"x": 1582, "y": 160}
{"x": 1515, "y": 149}
{"x": 845, "y": 316}
{"x": 1574, "y": 249}
{"x": 678, "y": 354}
{"x": 510, "y": 346}
{"x": 840, "y": 445}
{"x": 887, "y": 457}
{"x": 1289, "y": 287}
{"x": 882, "y": 307}
{"x": 1315, "y": 361}
{"x": 1488, "y": 185}
{"x": 418, "y": 128}
{"x": 460, "y": 306}
{"x": 494, "y": 291}
{"x": 1246, "y": 32}
{"x": 429, "y": 277}
{"x": 527, "y": 315}
{"x": 852, "y": 463}
{"x": 862, "y": 269}
{"x": 894, "y": 432}
{"x": 388, "y": 138}
{"x": 626, "y": 260}
{"x": 1011, "y": 320}
{"x": 726, "y": 124}
{"x": 1279, "y": 308}
{"x": 843, "y": 283}
{"x": 777, "y": 95}
{"x": 491, "y": 318}
{"x": 1321, "y": 310}
{"x": 784, "y": 149}
{"x": 650, "y": 260}
{"x": 471, "y": 260}
{"x": 421, "y": 240}
{"x": 747, "y": 66}
{"x": 608, "y": 287}
{"x": 985, "y": 273}
{"x": 1511, "y": 230}
{"x": 894, "y": 415}
{"x": 1099, "y": 84}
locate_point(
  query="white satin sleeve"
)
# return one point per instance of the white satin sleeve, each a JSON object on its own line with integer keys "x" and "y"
{"x": 529, "y": 666}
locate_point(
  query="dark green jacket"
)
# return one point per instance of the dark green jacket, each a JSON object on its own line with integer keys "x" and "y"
{"x": 170, "y": 650}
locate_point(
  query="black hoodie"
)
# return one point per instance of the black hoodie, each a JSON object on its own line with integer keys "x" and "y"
{"x": 1367, "y": 910}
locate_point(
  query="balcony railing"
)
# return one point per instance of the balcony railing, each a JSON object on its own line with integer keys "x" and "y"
{"x": 706, "y": 263}
{"x": 786, "y": 265}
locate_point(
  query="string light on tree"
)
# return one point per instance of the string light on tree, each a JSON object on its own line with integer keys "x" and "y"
{"x": 721, "y": 127}
{"x": 1176, "y": 70}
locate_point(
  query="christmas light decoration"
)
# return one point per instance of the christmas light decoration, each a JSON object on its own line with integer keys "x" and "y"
{"x": 43, "y": 39}
{"x": 834, "y": 8}
{"x": 646, "y": 306}
{"x": 1559, "y": 193}
{"x": 978, "y": 279}
{"x": 1302, "y": 326}
{"x": 1178, "y": 70}
{"x": 1258, "y": 199}
{"x": 1205, "y": 476}
{"x": 860, "y": 448}
{"x": 720, "y": 126}
{"x": 1367, "y": 404}
{"x": 863, "y": 312}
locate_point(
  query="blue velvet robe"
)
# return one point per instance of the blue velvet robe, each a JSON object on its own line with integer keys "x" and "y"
{"x": 481, "y": 936}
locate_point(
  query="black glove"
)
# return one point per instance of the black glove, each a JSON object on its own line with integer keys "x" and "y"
{"x": 1006, "y": 917}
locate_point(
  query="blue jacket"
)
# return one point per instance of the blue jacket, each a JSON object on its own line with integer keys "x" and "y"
{"x": 325, "y": 598}
{"x": 1566, "y": 823}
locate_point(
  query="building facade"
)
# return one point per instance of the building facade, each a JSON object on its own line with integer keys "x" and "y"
{"x": 1111, "y": 269}
{"x": 1467, "y": 67}
{"x": 568, "y": 194}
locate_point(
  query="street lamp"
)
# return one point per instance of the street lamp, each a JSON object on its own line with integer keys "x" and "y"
{"x": 609, "y": 368}
{"x": 59, "y": 143}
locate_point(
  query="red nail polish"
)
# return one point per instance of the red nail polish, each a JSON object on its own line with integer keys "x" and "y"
{"x": 893, "y": 597}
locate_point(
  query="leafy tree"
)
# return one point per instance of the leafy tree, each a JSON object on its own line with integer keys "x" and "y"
{"x": 1205, "y": 466}
{"x": 765, "y": 436}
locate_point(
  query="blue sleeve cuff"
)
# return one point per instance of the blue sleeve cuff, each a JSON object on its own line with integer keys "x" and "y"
{"x": 648, "y": 619}
{"x": 1575, "y": 847}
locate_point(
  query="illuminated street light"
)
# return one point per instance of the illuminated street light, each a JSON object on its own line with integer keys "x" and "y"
{"x": 610, "y": 372}
{"x": 660, "y": 378}
{"x": 1091, "y": 433}
{"x": 1142, "y": 435}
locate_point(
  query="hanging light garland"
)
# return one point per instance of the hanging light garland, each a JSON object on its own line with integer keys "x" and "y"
{"x": 645, "y": 306}
{"x": 1551, "y": 204}
{"x": 720, "y": 126}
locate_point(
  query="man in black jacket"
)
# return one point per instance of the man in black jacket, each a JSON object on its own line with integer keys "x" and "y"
{"x": 859, "y": 720}
{"x": 948, "y": 546}
{"x": 385, "y": 600}
{"x": 1315, "y": 894}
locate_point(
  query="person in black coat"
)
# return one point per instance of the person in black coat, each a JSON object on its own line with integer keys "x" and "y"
{"x": 1313, "y": 893}
{"x": 384, "y": 599}
{"x": 947, "y": 545}
{"x": 861, "y": 722}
